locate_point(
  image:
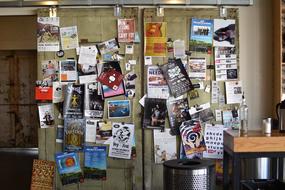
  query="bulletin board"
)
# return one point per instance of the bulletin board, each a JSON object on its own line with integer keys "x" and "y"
{"x": 97, "y": 25}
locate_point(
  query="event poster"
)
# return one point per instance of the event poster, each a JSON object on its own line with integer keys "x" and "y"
{"x": 154, "y": 113}
{"x": 50, "y": 71}
{"x": 46, "y": 115}
{"x": 164, "y": 146}
{"x": 214, "y": 141}
{"x": 73, "y": 101}
{"x": 233, "y": 92}
{"x": 74, "y": 132}
{"x": 68, "y": 71}
{"x": 95, "y": 162}
{"x": 155, "y": 39}
{"x": 93, "y": 103}
{"x": 122, "y": 138}
{"x": 197, "y": 68}
{"x": 69, "y": 37}
{"x": 156, "y": 84}
{"x": 176, "y": 76}
{"x": 192, "y": 137}
{"x": 224, "y": 32}
{"x": 48, "y": 34}
{"x": 126, "y": 30}
{"x": 68, "y": 166}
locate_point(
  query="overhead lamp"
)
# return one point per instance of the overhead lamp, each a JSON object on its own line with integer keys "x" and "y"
{"x": 159, "y": 11}
{"x": 223, "y": 12}
{"x": 52, "y": 11}
{"x": 117, "y": 10}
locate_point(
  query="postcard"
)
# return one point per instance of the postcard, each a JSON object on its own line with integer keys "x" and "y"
{"x": 155, "y": 111}
{"x": 119, "y": 109}
{"x": 95, "y": 162}
{"x": 122, "y": 139}
{"x": 178, "y": 112}
{"x": 197, "y": 68}
{"x": 104, "y": 131}
{"x": 164, "y": 146}
{"x": 68, "y": 166}
{"x": 46, "y": 115}
{"x": 126, "y": 30}
{"x": 68, "y": 71}
{"x": 224, "y": 32}
{"x": 155, "y": 39}
{"x": 48, "y": 34}
{"x": 111, "y": 45}
{"x": 192, "y": 137}
{"x": 214, "y": 136}
{"x": 69, "y": 37}
{"x": 93, "y": 103}
{"x": 91, "y": 128}
{"x": 74, "y": 134}
{"x": 233, "y": 92}
{"x": 156, "y": 84}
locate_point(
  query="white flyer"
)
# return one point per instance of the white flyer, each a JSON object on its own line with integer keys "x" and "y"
{"x": 224, "y": 32}
{"x": 179, "y": 48}
{"x": 156, "y": 84}
{"x": 46, "y": 115}
{"x": 87, "y": 55}
{"x": 164, "y": 146}
{"x": 214, "y": 141}
{"x": 57, "y": 95}
{"x": 129, "y": 49}
{"x": 233, "y": 92}
{"x": 69, "y": 37}
{"x": 90, "y": 133}
{"x": 121, "y": 145}
{"x": 215, "y": 92}
{"x": 147, "y": 60}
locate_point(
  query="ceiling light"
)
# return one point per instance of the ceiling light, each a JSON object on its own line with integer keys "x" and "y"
{"x": 159, "y": 11}
{"x": 52, "y": 11}
{"x": 117, "y": 10}
{"x": 223, "y": 12}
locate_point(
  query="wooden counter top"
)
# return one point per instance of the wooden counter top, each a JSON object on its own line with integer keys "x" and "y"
{"x": 254, "y": 141}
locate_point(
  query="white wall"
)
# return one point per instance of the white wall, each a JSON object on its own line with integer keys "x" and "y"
{"x": 256, "y": 59}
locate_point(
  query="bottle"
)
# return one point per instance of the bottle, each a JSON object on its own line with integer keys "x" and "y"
{"x": 243, "y": 116}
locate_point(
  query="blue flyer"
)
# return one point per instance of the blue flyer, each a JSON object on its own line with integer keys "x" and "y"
{"x": 95, "y": 162}
{"x": 68, "y": 166}
{"x": 202, "y": 30}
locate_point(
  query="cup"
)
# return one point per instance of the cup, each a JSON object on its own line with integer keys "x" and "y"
{"x": 266, "y": 125}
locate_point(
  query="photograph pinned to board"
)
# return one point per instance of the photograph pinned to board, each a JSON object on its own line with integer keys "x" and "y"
{"x": 108, "y": 46}
{"x": 119, "y": 109}
{"x": 156, "y": 84}
{"x": 104, "y": 131}
{"x": 155, "y": 39}
{"x": 73, "y": 101}
{"x": 197, "y": 68}
{"x": 48, "y": 34}
{"x": 192, "y": 137}
{"x": 126, "y": 30}
{"x": 224, "y": 32}
{"x": 122, "y": 138}
{"x": 42, "y": 174}
{"x": 233, "y": 92}
{"x": 95, "y": 162}
{"x": 57, "y": 92}
{"x": 69, "y": 37}
{"x": 74, "y": 134}
{"x": 50, "y": 70}
{"x": 177, "y": 78}
{"x": 68, "y": 71}
{"x": 155, "y": 111}
{"x": 201, "y": 36}
{"x": 130, "y": 81}
{"x": 178, "y": 112}
{"x": 164, "y": 146}
{"x": 93, "y": 103}
{"x": 46, "y": 115}
{"x": 68, "y": 166}
{"x": 214, "y": 141}
{"x": 90, "y": 130}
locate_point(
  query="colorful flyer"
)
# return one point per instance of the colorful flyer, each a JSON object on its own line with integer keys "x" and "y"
{"x": 46, "y": 115}
{"x": 48, "y": 34}
{"x": 156, "y": 84}
{"x": 214, "y": 135}
{"x": 111, "y": 78}
{"x": 164, "y": 146}
{"x": 111, "y": 45}
{"x": 155, "y": 39}
{"x": 119, "y": 109}
{"x": 224, "y": 32}
{"x": 126, "y": 30}
{"x": 122, "y": 138}
{"x": 50, "y": 71}
{"x": 95, "y": 162}
{"x": 69, "y": 37}
{"x": 43, "y": 92}
{"x": 74, "y": 134}
{"x": 68, "y": 71}
{"x": 197, "y": 68}
{"x": 154, "y": 113}
{"x": 68, "y": 166}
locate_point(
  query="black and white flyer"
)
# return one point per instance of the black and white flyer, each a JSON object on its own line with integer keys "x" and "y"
{"x": 46, "y": 114}
{"x": 121, "y": 146}
{"x": 224, "y": 32}
{"x": 94, "y": 104}
{"x": 154, "y": 113}
{"x": 176, "y": 77}
{"x": 214, "y": 136}
{"x": 73, "y": 101}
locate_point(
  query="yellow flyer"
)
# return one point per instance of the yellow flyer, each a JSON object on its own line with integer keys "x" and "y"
{"x": 155, "y": 39}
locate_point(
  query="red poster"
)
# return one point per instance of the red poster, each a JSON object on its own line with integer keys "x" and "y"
{"x": 126, "y": 30}
{"x": 43, "y": 93}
